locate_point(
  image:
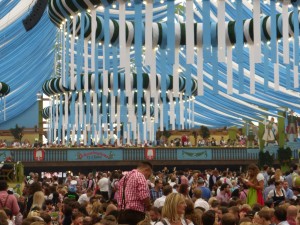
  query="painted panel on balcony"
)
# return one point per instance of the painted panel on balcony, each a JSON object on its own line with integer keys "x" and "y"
{"x": 4, "y": 154}
{"x": 194, "y": 154}
{"x": 94, "y": 155}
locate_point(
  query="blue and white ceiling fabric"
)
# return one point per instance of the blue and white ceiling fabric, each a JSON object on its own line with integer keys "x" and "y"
{"x": 152, "y": 65}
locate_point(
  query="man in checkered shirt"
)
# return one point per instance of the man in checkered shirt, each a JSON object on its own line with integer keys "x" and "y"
{"x": 133, "y": 194}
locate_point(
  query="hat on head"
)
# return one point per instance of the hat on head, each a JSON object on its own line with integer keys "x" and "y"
{"x": 200, "y": 181}
{"x": 72, "y": 188}
{"x": 73, "y": 182}
{"x": 202, "y": 204}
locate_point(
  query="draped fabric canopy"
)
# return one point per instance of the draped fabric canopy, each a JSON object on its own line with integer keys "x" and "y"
{"x": 27, "y": 60}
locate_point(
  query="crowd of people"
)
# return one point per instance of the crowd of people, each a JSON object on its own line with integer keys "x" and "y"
{"x": 190, "y": 197}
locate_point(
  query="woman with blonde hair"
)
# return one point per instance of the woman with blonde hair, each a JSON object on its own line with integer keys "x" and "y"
{"x": 96, "y": 212}
{"x": 255, "y": 182}
{"x": 173, "y": 210}
{"x": 38, "y": 200}
{"x": 278, "y": 175}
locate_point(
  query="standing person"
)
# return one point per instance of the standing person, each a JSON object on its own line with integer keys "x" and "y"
{"x": 278, "y": 195}
{"x": 271, "y": 131}
{"x": 224, "y": 194}
{"x": 213, "y": 178}
{"x": 291, "y": 214}
{"x": 133, "y": 195}
{"x": 255, "y": 182}
{"x": 280, "y": 216}
{"x": 156, "y": 191}
{"x": 103, "y": 185}
{"x": 7, "y": 200}
{"x": 206, "y": 193}
{"x": 173, "y": 211}
{"x": 159, "y": 202}
{"x": 289, "y": 193}
{"x": 292, "y": 129}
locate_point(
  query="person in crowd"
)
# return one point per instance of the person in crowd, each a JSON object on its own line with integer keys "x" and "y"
{"x": 38, "y": 200}
{"x": 184, "y": 190}
{"x": 77, "y": 218}
{"x": 265, "y": 174}
{"x": 278, "y": 175}
{"x": 86, "y": 196}
{"x": 206, "y": 193}
{"x": 293, "y": 173}
{"x": 224, "y": 194}
{"x": 159, "y": 202}
{"x": 95, "y": 212}
{"x": 114, "y": 179}
{"x": 213, "y": 142}
{"x": 7, "y": 200}
{"x": 194, "y": 178}
{"x": 174, "y": 210}
{"x": 155, "y": 215}
{"x": 71, "y": 194}
{"x": 262, "y": 217}
{"x": 289, "y": 192}
{"x": 172, "y": 180}
{"x": 229, "y": 219}
{"x": 291, "y": 214}
{"x": 109, "y": 220}
{"x": 213, "y": 178}
{"x": 133, "y": 195}
{"x": 278, "y": 195}
{"x": 210, "y": 217}
{"x": 103, "y": 185}
{"x": 3, "y": 218}
{"x": 156, "y": 191}
{"x": 269, "y": 187}
{"x": 90, "y": 181}
{"x": 255, "y": 182}
{"x": 10, "y": 216}
{"x": 222, "y": 141}
{"x": 280, "y": 216}
{"x": 199, "y": 201}
{"x": 225, "y": 179}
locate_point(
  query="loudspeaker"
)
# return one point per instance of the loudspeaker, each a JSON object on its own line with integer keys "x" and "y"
{"x": 35, "y": 15}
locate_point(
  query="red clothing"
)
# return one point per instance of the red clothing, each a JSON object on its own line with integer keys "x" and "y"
{"x": 136, "y": 190}
{"x": 291, "y": 221}
{"x": 11, "y": 202}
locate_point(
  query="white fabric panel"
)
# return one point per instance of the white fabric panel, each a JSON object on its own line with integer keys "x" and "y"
{"x": 252, "y": 68}
{"x": 189, "y": 32}
{"x": 86, "y": 66}
{"x": 148, "y": 32}
{"x": 221, "y": 30}
{"x": 175, "y": 73}
{"x": 200, "y": 90}
{"x": 257, "y": 31}
{"x": 285, "y": 32}
{"x": 122, "y": 37}
{"x": 229, "y": 71}
{"x": 296, "y": 77}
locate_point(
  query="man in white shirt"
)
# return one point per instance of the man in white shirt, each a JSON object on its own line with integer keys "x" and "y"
{"x": 103, "y": 185}
{"x": 86, "y": 197}
{"x": 159, "y": 202}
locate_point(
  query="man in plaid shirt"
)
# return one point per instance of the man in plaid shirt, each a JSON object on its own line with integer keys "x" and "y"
{"x": 156, "y": 192}
{"x": 133, "y": 195}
